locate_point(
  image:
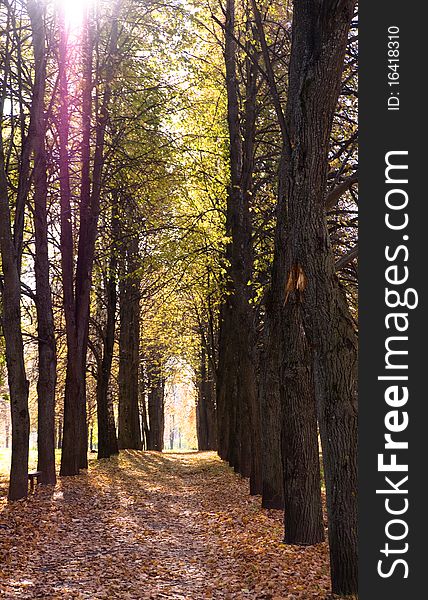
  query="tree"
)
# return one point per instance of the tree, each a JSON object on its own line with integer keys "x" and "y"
{"x": 11, "y": 324}
{"x": 129, "y": 345}
{"x": 205, "y": 407}
{"x": 107, "y": 439}
{"x": 156, "y": 390}
{"x": 10, "y": 249}
{"x": 45, "y": 319}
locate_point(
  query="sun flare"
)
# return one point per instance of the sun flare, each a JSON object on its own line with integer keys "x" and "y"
{"x": 73, "y": 11}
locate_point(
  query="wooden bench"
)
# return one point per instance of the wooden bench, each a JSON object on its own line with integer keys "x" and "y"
{"x": 32, "y": 476}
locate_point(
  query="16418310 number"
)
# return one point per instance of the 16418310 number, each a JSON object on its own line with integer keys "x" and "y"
{"x": 393, "y": 72}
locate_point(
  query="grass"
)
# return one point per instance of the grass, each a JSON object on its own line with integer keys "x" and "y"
{"x": 5, "y": 455}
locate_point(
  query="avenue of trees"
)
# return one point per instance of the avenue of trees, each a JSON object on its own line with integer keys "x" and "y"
{"x": 178, "y": 185}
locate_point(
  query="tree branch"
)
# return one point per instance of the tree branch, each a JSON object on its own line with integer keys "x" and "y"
{"x": 334, "y": 196}
{"x": 347, "y": 258}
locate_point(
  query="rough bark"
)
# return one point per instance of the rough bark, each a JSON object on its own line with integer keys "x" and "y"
{"x": 270, "y": 403}
{"x": 300, "y": 454}
{"x": 290, "y": 374}
{"x": 45, "y": 321}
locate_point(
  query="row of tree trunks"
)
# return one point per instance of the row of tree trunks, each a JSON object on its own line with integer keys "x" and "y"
{"x": 237, "y": 396}
{"x": 311, "y": 295}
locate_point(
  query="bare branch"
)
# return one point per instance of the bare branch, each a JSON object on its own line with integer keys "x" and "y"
{"x": 334, "y": 196}
{"x": 347, "y": 258}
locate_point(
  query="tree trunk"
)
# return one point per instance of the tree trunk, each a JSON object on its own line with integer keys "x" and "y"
{"x": 201, "y": 420}
{"x": 270, "y": 403}
{"x": 11, "y": 323}
{"x": 129, "y": 350}
{"x": 156, "y": 409}
{"x": 45, "y": 321}
{"x": 223, "y": 397}
{"x": 291, "y": 396}
{"x": 205, "y": 408}
{"x": 107, "y": 439}
{"x": 88, "y": 212}
{"x": 70, "y": 455}
{"x": 211, "y": 408}
{"x": 300, "y": 454}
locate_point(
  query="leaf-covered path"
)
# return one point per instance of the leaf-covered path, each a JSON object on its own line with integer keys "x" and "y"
{"x": 149, "y": 525}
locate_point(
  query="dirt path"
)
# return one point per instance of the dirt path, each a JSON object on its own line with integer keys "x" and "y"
{"x": 178, "y": 526}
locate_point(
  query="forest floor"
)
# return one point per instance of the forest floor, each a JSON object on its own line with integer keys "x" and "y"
{"x": 152, "y": 526}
